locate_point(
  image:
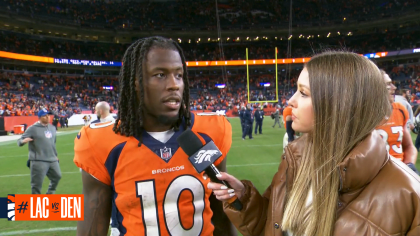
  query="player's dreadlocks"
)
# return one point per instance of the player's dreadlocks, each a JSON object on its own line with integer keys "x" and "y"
{"x": 130, "y": 108}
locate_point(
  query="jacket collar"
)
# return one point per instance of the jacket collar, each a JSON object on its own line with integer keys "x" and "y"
{"x": 356, "y": 170}
{"x": 363, "y": 163}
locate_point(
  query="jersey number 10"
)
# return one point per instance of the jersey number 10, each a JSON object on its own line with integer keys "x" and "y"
{"x": 146, "y": 191}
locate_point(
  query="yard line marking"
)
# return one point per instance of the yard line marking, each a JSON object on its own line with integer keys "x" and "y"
{"x": 38, "y": 231}
{"x": 75, "y": 172}
{"x": 256, "y": 164}
{"x": 60, "y": 154}
{"x": 244, "y": 146}
{"x": 9, "y": 142}
{"x": 259, "y": 145}
{"x": 20, "y": 175}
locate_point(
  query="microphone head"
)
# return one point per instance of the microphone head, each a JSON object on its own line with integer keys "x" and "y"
{"x": 200, "y": 156}
{"x": 189, "y": 142}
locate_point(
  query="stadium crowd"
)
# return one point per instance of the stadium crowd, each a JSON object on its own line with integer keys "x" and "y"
{"x": 23, "y": 94}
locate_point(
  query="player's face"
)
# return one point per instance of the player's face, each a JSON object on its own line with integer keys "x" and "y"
{"x": 408, "y": 94}
{"x": 390, "y": 86}
{"x": 301, "y": 102}
{"x": 163, "y": 86}
{"x": 44, "y": 119}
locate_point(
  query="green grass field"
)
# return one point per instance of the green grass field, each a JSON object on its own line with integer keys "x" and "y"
{"x": 256, "y": 160}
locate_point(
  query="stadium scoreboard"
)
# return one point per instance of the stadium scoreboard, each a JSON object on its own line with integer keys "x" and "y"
{"x": 86, "y": 62}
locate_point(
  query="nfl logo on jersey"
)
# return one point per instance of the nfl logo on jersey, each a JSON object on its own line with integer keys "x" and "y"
{"x": 48, "y": 134}
{"x": 165, "y": 153}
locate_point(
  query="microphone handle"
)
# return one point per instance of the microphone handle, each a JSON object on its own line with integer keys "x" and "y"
{"x": 212, "y": 171}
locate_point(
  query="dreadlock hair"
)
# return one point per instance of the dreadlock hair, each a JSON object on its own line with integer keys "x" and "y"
{"x": 130, "y": 118}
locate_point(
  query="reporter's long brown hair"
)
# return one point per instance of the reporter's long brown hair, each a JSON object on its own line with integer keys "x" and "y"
{"x": 349, "y": 100}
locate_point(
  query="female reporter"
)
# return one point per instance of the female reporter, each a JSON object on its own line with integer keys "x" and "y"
{"x": 337, "y": 179}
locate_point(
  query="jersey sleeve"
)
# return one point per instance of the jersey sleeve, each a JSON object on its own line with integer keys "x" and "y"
{"x": 87, "y": 157}
{"x": 224, "y": 140}
{"x": 405, "y": 112}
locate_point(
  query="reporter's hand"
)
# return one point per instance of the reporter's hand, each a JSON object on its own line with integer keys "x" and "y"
{"x": 222, "y": 193}
{"x": 26, "y": 140}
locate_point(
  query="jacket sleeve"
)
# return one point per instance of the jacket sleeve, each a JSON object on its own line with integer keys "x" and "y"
{"x": 251, "y": 220}
{"x": 26, "y": 134}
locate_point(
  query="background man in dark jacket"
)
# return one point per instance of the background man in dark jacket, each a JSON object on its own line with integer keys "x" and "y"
{"x": 241, "y": 117}
{"x": 259, "y": 117}
{"x": 248, "y": 122}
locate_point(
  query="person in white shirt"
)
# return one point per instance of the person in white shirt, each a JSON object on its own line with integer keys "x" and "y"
{"x": 404, "y": 99}
{"x": 102, "y": 110}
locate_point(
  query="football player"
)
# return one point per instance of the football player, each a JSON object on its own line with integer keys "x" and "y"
{"x": 86, "y": 119}
{"x": 139, "y": 166}
{"x": 394, "y": 130}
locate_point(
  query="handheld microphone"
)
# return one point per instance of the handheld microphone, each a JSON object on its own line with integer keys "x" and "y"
{"x": 202, "y": 158}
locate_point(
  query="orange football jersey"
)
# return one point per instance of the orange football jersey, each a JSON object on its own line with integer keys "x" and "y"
{"x": 392, "y": 130}
{"x": 286, "y": 112}
{"x": 156, "y": 189}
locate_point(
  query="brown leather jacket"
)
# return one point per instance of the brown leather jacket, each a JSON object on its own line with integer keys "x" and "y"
{"x": 378, "y": 195}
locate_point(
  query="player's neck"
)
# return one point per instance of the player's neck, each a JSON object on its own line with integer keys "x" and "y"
{"x": 154, "y": 126}
{"x": 157, "y": 128}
